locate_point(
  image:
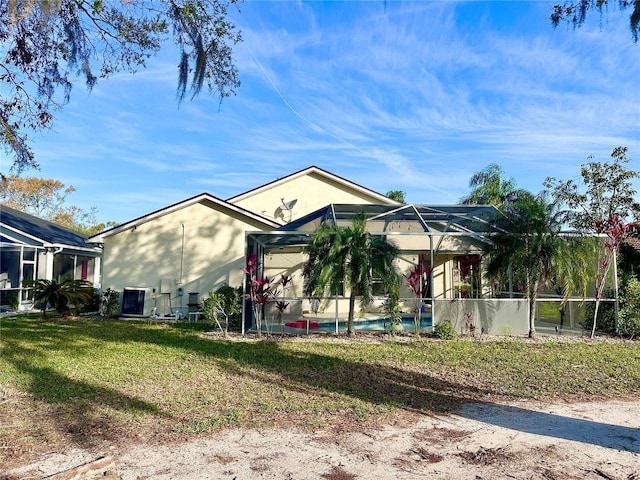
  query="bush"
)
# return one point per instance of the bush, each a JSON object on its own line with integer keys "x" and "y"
{"x": 629, "y": 313}
{"x": 224, "y": 304}
{"x": 94, "y": 304}
{"x": 109, "y": 303}
{"x": 11, "y": 299}
{"x": 445, "y": 331}
{"x": 392, "y": 309}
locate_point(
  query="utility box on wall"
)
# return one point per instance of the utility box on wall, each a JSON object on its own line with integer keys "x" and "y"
{"x": 166, "y": 285}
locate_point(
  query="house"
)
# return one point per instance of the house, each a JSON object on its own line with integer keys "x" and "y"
{"x": 168, "y": 260}
{"x": 32, "y": 248}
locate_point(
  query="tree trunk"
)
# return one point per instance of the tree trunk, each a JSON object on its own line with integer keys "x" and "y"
{"x": 595, "y": 316}
{"x": 600, "y": 290}
{"x": 352, "y": 303}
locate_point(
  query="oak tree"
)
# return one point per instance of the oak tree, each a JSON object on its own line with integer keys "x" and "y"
{"x": 46, "y": 44}
{"x": 45, "y": 198}
{"x": 575, "y": 13}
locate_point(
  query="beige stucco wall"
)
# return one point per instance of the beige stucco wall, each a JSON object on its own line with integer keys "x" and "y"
{"x": 312, "y": 191}
{"x": 155, "y": 256}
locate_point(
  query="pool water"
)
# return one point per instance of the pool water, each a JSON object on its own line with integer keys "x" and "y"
{"x": 375, "y": 325}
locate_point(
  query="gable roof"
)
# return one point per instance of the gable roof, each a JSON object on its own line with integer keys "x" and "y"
{"x": 38, "y": 230}
{"x": 203, "y": 197}
{"x": 318, "y": 171}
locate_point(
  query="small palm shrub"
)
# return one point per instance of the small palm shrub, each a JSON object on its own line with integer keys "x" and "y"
{"x": 60, "y": 295}
{"x": 445, "y": 331}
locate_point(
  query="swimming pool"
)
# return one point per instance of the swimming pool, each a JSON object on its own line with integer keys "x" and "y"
{"x": 371, "y": 325}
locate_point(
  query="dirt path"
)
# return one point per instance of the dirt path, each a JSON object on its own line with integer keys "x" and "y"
{"x": 481, "y": 441}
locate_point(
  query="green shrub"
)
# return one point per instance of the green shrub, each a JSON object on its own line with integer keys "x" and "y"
{"x": 109, "y": 303}
{"x": 629, "y": 313}
{"x": 224, "y": 304}
{"x": 94, "y": 304}
{"x": 445, "y": 331}
{"x": 392, "y": 310}
{"x": 12, "y": 300}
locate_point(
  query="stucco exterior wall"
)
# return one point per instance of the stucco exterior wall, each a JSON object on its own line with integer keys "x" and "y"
{"x": 197, "y": 248}
{"x": 311, "y": 192}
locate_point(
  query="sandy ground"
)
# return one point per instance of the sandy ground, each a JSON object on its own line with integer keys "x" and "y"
{"x": 523, "y": 440}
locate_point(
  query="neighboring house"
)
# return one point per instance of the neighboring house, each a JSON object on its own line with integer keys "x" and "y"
{"x": 169, "y": 260}
{"x": 35, "y": 249}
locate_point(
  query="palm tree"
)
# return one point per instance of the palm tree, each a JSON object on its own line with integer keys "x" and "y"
{"x": 397, "y": 195}
{"x": 532, "y": 248}
{"x": 489, "y": 187}
{"x": 60, "y": 295}
{"x": 349, "y": 256}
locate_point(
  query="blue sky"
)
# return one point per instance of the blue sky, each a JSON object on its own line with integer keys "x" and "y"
{"x": 412, "y": 96}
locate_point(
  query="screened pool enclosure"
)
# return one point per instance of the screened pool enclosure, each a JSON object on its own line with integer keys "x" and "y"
{"x": 442, "y": 243}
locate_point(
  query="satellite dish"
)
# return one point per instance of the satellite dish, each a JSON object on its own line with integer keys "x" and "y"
{"x": 288, "y": 205}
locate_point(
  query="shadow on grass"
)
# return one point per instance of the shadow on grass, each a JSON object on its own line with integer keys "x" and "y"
{"x": 580, "y": 430}
{"x": 74, "y": 403}
{"x": 291, "y": 369}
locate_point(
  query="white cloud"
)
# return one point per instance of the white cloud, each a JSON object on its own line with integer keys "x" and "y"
{"x": 414, "y": 96}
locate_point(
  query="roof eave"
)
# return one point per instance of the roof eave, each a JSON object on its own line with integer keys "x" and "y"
{"x": 99, "y": 237}
{"x": 319, "y": 171}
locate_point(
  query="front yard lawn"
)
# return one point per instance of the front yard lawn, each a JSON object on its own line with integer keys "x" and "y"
{"x": 91, "y": 382}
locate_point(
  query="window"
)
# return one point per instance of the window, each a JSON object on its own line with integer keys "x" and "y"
{"x": 378, "y": 288}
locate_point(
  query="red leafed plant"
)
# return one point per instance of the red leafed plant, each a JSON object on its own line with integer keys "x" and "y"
{"x": 615, "y": 229}
{"x": 261, "y": 291}
{"x": 281, "y": 305}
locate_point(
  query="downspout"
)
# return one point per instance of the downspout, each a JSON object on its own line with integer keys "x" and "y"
{"x": 244, "y": 283}
{"x": 182, "y": 256}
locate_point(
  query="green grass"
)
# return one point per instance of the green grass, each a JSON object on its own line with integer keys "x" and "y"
{"x": 137, "y": 375}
